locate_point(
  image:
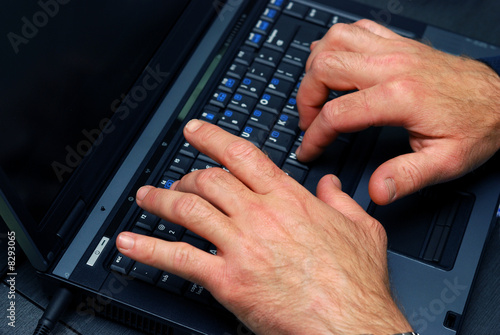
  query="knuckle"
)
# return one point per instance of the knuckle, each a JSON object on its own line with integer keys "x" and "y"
{"x": 181, "y": 256}
{"x": 240, "y": 150}
{"x": 328, "y": 60}
{"x": 186, "y": 205}
{"x": 149, "y": 251}
{"x": 204, "y": 179}
{"x": 337, "y": 31}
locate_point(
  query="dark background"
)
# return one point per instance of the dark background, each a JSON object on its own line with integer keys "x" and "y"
{"x": 476, "y": 19}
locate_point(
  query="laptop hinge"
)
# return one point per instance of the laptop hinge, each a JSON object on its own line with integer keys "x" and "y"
{"x": 68, "y": 229}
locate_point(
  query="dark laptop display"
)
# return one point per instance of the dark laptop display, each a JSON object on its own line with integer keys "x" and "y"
{"x": 94, "y": 99}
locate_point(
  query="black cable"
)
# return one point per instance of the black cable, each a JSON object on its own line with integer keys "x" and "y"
{"x": 60, "y": 301}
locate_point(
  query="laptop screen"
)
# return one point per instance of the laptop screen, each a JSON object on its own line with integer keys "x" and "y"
{"x": 66, "y": 65}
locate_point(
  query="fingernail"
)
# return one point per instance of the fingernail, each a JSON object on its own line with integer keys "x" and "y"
{"x": 142, "y": 192}
{"x": 390, "y": 185}
{"x": 297, "y": 152}
{"x": 125, "y": 242}
{"x": 193, "y": 125}
{"x": 337, "y": 182}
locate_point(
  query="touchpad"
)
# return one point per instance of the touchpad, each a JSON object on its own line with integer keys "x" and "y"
{"x": 428, "y": 225}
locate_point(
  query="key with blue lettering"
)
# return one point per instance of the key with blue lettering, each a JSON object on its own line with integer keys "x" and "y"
{"x": 220, "y": 99}
{"x": 254, "y": 135}
{"x": 261, "y": 119}
{"x": 271, "y": 103}
{"x": 228, "y": 84}
{"x": 233, "y": 120}
{"x": 279, "y": 87}
{"x": 251, "y": 87}
{"x": 280, "y": 140}
{"x": 242, "y": 103}
{"x": 291, "y": 107}
{"x": 270, "y": 14}
{"x": 255, "y": 40}
{"x": 288, "y": 123}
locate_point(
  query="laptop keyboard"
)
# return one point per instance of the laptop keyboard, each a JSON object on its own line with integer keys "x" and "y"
{"x": 256, "y": 100}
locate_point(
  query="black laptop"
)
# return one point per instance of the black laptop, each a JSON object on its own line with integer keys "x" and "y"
{"x": 94, "y": 98}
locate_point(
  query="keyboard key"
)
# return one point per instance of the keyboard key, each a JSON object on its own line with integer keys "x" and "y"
{"x": 317, "y": 16}
{"x": 295, "y": 172}
{"x": 122, "y": 264}
{"x": 277, "y": 4}
{"x": 212, "y": 249}
{"x": 245, "y": 56}
{"x": 260, "y": 72}
{"x": 280, "y": 87}
{"x": 280, "y": 140}
{"x": 200, "y": 164}
{"x": 338, "y": 19}
{"x": 275, "y": 155}
{"x": 255, "y": 135}
{"x": 305, "y": 36}
{"x": 233, "y": 120}
{"x": 270, "y": 103}
{"x": 268, "y": 57}
{"x": 146, "y": 221}
{"x": 242, "y": 103}
{"x": 281, "y": 36}
{"x": 262, "y": 119}
{"x": 199, "y": 293}
{"x": 167, "y": 181}
{"x": 251, "y": 87}
{"x": 145, "y": 272}
{"x": 169, "y": 231}
{"x": 229, "y": 84}
{"x": 289, "y": 72}
{"x": 288, "y": 123}
{"x": 237, "y": 70}
{"x": 181, "y": 164}
{"x": 209, "y": 160}
{"x": 296, "y": 57}
{"x": 296, "y": 10}
{"x": 171, "y": 283}
{"x": 255, "y": 40}
{"x": 262, "y": 27}
{"x": 291, "y": 107}
{"x": 188, "y": 150}
{"x": 292, "y": 158}
{"x": 270, "y": 14}
{"x": 220, "y": 99}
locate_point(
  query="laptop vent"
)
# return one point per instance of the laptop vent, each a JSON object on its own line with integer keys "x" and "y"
{"x": 123, "y": 316}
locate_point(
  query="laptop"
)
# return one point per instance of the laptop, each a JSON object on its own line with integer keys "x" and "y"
{"x": 95, "y": 97}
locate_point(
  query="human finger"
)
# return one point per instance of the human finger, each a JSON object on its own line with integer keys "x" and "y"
{"x": 406, "y": 174}
{"x": 188, "y": 210}
{"x": 378, "y": 29}
{"x": 347, "y": 71}
{"x": 350, "y": 38}
{"x": 218, "y": 187}
{"x": 179, "y": 258}
{"x": 375, "y": 106}
{"x": 329, "y": 190}
{"x": 241, "y": 157}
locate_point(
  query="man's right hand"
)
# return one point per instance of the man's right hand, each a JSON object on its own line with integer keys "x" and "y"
{"x": 449, "y": 105}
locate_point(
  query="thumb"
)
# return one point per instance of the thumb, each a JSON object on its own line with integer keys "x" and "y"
{"x": 329, "y": 191}
{"x": 406, "y": 174}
